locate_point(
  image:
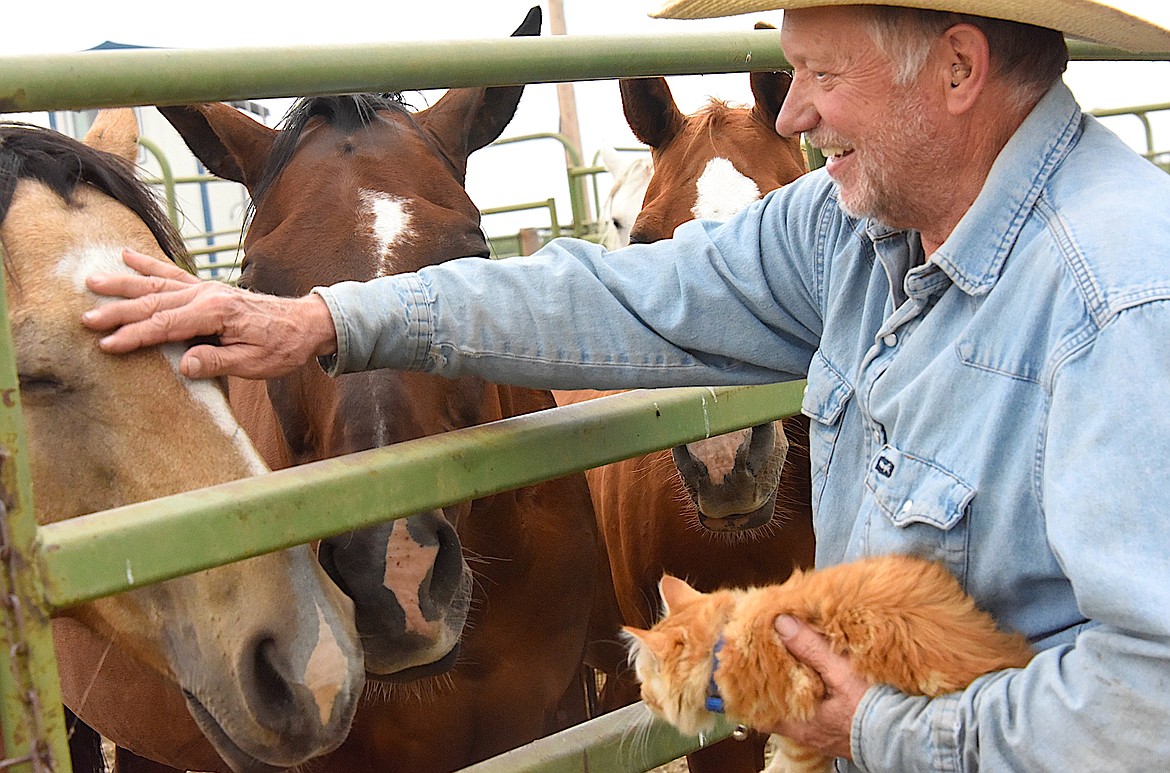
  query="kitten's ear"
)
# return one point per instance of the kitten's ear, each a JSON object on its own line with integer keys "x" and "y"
{"x": 675, "y": 592}
{"x": 638, "y": 633}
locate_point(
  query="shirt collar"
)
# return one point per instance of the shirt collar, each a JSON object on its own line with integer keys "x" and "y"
{"x": 974, "y": 254}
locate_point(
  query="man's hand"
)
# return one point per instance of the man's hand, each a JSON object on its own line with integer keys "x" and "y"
{"x": 829, "y": 728}
{"x": 260, "y": 336}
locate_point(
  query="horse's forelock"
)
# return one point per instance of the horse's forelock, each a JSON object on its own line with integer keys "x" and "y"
{"x": 346, "y": 112}
{"x": 61, "y": 163}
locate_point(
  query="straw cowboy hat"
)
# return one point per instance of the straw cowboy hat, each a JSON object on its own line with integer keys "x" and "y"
{"x": 1092, "y": 20}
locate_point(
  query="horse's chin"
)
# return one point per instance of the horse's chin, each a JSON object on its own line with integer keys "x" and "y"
{"x": 239, "y": 760}
{"x": 740, "y": 522}
{"x": 414, "y": 673}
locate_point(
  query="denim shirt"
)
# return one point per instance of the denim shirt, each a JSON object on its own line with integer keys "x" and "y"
{"x": 1003, "y": 408}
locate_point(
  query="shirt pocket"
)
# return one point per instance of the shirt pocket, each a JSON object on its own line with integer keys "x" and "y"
{"x": 825, "y": 398}
{"x": 917, "y": 508}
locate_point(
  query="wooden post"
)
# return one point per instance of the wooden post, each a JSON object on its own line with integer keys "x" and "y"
{"x": 529, "y": 241}
{"x": 567, "y": 101}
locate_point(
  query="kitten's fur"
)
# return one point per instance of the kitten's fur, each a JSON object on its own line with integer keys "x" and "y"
{"x": 902, "y": 621}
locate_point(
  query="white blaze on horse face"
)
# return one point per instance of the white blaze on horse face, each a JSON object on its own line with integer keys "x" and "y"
{"x": 91, "y": 259}
{"x": 407, "y": 565}
{"x": 389, "y": 223}
{"x": 722, "y": 191}
{"x": 719, "y": 453}
{"x": 326, "y": 670}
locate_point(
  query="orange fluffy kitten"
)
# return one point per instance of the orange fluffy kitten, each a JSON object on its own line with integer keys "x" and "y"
{"x": 902, "y": 621}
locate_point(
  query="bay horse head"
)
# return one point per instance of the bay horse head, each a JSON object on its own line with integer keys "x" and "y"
{"x": 711, "y": 164}
{"x": 256, "y": 663}
{"x": 356, "y": 187}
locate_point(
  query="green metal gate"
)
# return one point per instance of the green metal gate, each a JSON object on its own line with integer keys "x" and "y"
{"x": 48, "y": 568}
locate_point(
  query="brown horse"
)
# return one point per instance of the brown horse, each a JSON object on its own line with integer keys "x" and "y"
{"x": 256, "y": 664}
{"x": 733, "y": 509}
{"x": 358, "y": 187}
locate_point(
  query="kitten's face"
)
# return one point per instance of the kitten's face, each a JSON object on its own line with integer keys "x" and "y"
{"x": 673, "y": 660}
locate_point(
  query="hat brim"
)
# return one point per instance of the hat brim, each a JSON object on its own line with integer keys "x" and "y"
{"x": 1087, "y": 19}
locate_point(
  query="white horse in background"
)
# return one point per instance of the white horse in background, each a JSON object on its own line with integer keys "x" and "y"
{"x": 631, "y": 175}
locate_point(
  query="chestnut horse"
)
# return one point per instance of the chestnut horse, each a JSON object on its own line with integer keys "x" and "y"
{"x": 733, "y": 510}
{"x": 255, "y": 665}
{"x": 356, "y": 187}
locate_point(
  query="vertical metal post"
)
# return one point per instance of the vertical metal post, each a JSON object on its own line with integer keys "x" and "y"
{"x": 32, "y": 723}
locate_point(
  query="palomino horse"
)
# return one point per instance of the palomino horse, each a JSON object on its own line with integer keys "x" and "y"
{"x": 730, "y": 510}
{"x": 624, "y": 201}
{"x": 358, "y": 187}
{"x": 247, "y": 667}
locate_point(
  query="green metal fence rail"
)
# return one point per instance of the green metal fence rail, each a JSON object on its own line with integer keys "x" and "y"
{"x": 48, "y": 568}
{"x": 1142, "y": 114}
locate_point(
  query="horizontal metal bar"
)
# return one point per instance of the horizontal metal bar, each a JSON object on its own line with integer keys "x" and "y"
{"x": 104, "y": 553}
{"x": 169, "y": 76}
{"x": 629, "y": 740}
{"x": 91, "y": 79}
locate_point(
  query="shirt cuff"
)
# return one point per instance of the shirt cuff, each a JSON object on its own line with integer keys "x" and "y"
{"x": 329, "y": 362}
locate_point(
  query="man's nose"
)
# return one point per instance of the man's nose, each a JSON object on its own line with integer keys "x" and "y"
{"x": 797, "y": 114}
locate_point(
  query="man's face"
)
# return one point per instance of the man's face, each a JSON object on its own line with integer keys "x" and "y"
{"x": 882, "y": 140}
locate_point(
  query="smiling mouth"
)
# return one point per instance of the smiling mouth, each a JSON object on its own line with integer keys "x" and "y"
{"x": 836, "y": 153}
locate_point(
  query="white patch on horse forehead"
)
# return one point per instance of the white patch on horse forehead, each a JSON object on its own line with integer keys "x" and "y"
{"x": 722, "y": 191}
{"x": 389, "y": 224}
{"x": 92, "y": 258}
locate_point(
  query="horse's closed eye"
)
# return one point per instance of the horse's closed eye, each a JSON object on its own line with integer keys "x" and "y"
{"x": 43, "y": 384}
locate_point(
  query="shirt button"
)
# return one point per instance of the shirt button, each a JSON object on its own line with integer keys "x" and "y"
{"x": 890, "y": 340}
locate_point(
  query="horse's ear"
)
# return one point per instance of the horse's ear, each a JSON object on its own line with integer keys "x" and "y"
{"x": 465, "y": 120}
{"x": 613, "y": 161}
{"x": 230, "y": 144}
{"x": 769, "y": 89}
{"x": 650, "y": 110}
{"x": 115, "y": 131}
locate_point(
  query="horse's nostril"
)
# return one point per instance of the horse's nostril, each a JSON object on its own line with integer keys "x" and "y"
{"x": 328, "y": 560}
{"x": 447, "y": 576}
{"x": 271, "y": 697}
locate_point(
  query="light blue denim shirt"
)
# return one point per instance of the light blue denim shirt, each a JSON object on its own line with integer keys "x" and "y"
{"x": 1004, "y": 409}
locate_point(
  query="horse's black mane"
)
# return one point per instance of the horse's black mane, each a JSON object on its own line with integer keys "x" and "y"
{"x": 347, "y": 112}
{"x": 61, "y": 163}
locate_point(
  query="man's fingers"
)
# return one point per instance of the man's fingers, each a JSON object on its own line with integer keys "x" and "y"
{"x": 149, "y": 266}
{"x": 138, "y": 309}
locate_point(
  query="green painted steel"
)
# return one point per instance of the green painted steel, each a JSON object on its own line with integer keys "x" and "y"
{"x": 92, "y": 79}
{"x": 33, "y": 726}
{"x": 628, "y": 740}
{"x": 168, "y": 178}
{"x": 131, "y": 546}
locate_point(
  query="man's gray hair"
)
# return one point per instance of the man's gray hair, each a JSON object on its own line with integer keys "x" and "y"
{"x": 1029, "y": 58}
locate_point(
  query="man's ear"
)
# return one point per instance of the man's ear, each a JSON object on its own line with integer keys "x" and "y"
{"x": 964, "y": 66}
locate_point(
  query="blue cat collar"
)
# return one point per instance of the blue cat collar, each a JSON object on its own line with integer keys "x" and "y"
{"x": 714, "y": 701}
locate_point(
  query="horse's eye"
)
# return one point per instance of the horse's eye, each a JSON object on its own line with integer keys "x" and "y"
{"x": 617, "y": 224}
{"x": 40, "y": 384}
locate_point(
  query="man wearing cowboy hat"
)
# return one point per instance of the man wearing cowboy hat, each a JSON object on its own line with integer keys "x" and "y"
{"x": 977, "y": 288}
